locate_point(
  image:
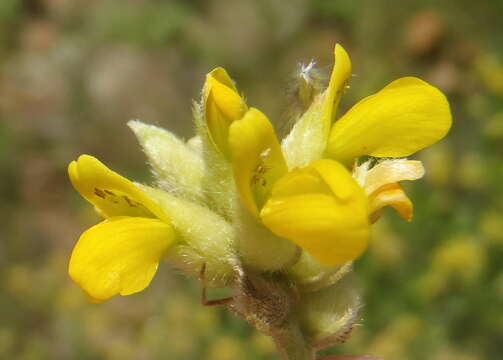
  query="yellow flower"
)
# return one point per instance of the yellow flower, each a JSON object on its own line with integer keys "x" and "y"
{"x": 235, "y": 196}
{"x": 317, "y": 204}
{"x": 277, "y": 222}
{"x": 320, "y": 208}
{"x": 119, "y": 255}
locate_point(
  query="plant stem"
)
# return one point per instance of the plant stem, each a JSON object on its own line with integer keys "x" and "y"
{"x": 291, "y": 343}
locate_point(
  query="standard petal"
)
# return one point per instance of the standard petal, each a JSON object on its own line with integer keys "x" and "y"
{"x": 257, "y": 160}
{"x": 308, "y": 139}
{"x": 330, "y": 221}
{"x": 119, "y": 256}
{"x": 111, "y": 193}
{"x": 222, "y": 105}
{"x": 390, "y": 195}
{"x": 404, "y": 117}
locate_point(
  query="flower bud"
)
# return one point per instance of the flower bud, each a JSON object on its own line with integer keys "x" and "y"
{"x": 222, "y": 106}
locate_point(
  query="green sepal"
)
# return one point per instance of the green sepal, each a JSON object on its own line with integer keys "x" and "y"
{"x": 259, "y": 248}
{"x": 307, "y": 140}
{"x": 218, "y": 182}
{"x": 310, "y": 275}
{"x": 205, "y": 238}
{"x": 328, "y": 316}
{"x": 177, "y": 168}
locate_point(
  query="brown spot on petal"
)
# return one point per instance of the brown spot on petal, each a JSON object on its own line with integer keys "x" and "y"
{"x": 130, "y": 202}
{"x": 99, "y": 193}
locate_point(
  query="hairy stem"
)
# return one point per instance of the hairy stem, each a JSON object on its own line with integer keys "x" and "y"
{"x": 269, "y": 303}
{"x": 291, "y": 343}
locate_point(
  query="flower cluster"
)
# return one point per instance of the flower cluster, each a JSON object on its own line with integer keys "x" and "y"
{"x": 279, "y": 222}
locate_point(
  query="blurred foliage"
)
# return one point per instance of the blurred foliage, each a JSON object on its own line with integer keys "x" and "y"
{"x": 73, "y": 72}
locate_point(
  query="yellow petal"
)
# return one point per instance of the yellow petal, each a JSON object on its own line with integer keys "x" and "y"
{"x": 387, "y": 172}
{"x": 222, "y": 105}
{"x": 340, "y": 181}
{"x": 111, "y": 193}
{"x": 257, "y": 160}
{"x": 390, "y": 195}
{"x": 404, "y": 117}
{"x": 308, "y": 139}
{"x": 380, "y": 184}
{"x": 119, "y": 256}
{"x": 300, "y": 181}
{"x": 322, "y": 209}
{"x": 338, "y": 81}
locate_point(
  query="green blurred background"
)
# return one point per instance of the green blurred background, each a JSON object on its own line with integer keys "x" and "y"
{"x": 73, "y": 72}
